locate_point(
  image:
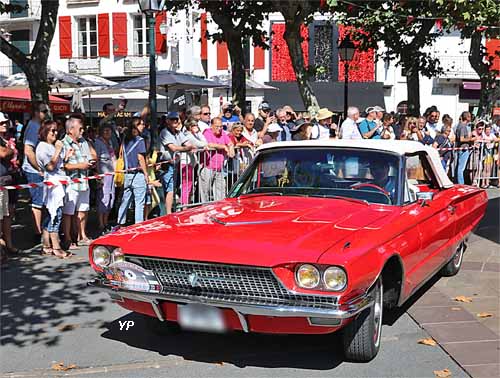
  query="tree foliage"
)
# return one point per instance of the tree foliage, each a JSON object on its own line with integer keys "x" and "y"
{"x": 239, "y": 22}
{"x": 478, "y": 20}
{"x": 34, "y": 64}
{"x": 7, "y": 7}
{"x": 405, "y": 28}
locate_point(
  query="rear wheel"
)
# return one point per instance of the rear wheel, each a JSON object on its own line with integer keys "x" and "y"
{"x": 361, "y": 337}
{"x": 453, "y": 266}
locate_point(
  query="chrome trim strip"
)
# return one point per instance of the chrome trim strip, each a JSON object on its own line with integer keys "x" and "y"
{"x": 157, "y": 310}
{"x": 243, "y": 321}
{"x": 242, "y": 223}
{"x": 323, "y": 325}
{"x": 342, "y": 311}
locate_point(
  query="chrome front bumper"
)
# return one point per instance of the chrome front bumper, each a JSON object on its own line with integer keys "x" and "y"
{"x": 341, "y": 311}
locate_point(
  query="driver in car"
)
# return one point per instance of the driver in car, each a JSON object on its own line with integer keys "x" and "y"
{"x": 380, "y": 172}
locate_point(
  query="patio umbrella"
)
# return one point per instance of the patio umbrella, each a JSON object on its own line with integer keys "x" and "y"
{"x": 169, "y": 80}
{"x": 56, "y": 78}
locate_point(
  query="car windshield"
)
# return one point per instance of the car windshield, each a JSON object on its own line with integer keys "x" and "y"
{"x": 353, "y": 174}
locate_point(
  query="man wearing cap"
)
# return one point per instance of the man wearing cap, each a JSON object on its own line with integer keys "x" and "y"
{"x": 32, "y": 171}
{"x": 380, "y": 113}
{"x": 349, "y": 128}
{"x": 322, "y": 129}
{"x": 273, "y": 132}
{"x": 260, "y": 121}
{"x": 229, "y": 114}
{"x": 172, "y": 140}
{"x": 368, "y": 127}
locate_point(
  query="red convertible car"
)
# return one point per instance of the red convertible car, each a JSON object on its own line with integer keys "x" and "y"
{"x": 315, "y": 237}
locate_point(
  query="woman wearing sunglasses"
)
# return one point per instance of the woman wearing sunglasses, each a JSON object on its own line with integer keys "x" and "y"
{"x": 50, "y": 157}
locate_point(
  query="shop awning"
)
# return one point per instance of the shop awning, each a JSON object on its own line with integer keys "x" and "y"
{"x": 329, "y": 95}
{"x": 19, "y": 101}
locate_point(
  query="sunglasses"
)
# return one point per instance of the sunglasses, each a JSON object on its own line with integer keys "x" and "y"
{"x": 206, "y": 113}
{"x": 53, "y": 131}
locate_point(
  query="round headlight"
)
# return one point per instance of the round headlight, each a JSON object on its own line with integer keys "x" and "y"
{"x": 308, "y": 276}
{"x": 335, "y": 278}
{"x": 101, "y": 256}
{"x": 118, "y": 255}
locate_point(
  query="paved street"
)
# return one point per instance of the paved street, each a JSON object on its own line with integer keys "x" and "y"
{"x": 49, "y": 316}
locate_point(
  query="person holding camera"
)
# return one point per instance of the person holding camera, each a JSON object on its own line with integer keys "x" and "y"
{"x": 230, "y": 115}
{"x": 79, "y": 159}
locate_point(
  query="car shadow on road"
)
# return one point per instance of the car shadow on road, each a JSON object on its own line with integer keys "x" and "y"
{"x": 38, "y": 294}
{"x": 319, "y": 352}
{"x": 490, "y": 224}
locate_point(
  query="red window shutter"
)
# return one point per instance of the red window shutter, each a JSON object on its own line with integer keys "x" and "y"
{"x": 65, "y": 48}
{"x": 222, "y": 57}
{"x": 259, "y": 58}
{"x": 492, "y": 48}
{"x": 103, "y": 34}
{"x": 203, "y": 32}
{"x": 119, "y": 34}
{"x": 160, "y": 39}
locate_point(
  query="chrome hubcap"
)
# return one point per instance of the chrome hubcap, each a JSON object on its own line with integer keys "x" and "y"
{"x": 457, "y": 259}
{"x": 377, "y": 313}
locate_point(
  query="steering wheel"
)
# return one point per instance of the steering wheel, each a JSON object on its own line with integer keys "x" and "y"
{"x": 368, "y": 185}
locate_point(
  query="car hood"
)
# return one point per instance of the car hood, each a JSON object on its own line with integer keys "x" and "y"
{"x": 255, "y": 230}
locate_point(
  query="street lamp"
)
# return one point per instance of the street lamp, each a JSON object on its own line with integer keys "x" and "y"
{"x": 346, "y": 52}
{"x": 150, "y": 8}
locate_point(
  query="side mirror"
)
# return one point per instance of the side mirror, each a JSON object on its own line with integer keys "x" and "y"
{"x": 424, "y": 197}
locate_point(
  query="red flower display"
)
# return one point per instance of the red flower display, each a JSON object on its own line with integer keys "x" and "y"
{"x": 282, "y": 69}
{"x": 361, "y": 67}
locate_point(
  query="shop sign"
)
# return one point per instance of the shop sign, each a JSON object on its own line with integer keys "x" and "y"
{"x": 25, "y": 107}
{"x": 117, "y": 115}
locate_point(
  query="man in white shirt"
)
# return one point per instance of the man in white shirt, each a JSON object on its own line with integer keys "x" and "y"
{"x": 204, "y": 122}
{"x": 349, "y": 128}
{"x": 249, "y": 132}
{"x": 432, "y": 125}
{"x": 380, "y": 113}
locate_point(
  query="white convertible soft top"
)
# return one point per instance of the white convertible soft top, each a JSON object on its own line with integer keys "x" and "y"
{"x": 400, "y": 147}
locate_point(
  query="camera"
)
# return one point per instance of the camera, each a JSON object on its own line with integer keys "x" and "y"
{"x": 229, "y": 109}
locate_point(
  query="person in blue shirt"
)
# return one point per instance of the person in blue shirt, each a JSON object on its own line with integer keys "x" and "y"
{"x": 230, "y": 116}
{"x": 368, "y": 127}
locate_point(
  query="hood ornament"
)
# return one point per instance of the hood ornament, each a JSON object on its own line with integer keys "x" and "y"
{"x": 193, "y": 279}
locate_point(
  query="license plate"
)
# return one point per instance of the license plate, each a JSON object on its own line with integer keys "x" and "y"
{"x": 200, "y": 317}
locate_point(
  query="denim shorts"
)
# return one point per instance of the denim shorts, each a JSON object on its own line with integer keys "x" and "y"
{"x": 167, "y": 179}
{"x": 52, "y": 224}
{"x": 36, "y": 193}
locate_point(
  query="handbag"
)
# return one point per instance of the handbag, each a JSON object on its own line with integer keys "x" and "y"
{"x": 120, "y": 166}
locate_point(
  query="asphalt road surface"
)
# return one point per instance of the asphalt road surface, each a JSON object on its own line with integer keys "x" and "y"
{"x": 49, "y": 316}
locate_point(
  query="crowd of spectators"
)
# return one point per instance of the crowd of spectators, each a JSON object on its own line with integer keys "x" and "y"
{"x": 54, "y": 150}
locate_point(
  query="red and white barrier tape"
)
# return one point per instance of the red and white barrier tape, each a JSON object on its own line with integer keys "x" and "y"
{"x": 50, "y": 183}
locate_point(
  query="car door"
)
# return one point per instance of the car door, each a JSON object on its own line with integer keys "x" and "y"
{"x": 434, "y": 220}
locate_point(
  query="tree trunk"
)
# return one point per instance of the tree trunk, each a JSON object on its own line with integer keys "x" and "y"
{"x": 238, "y": 75}
{"x": 413, "y": 91}
{"x": 294, "y": 43}
{"x": 476, "y": 55}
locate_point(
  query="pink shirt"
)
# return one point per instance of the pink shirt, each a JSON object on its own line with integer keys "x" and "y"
{"x": 215, "y": 159}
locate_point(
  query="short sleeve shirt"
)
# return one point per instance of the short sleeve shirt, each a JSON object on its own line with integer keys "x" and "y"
{"x": 366, "y": 126}
{"x": 30, "y": 139}
{"x": 79, "y": 156}
{"x": 44, "y": 153}
{"x": 462, "y": 131}
{"x": 215, "y": 159}
{"x": 131, "y": 150}
{"x": 167, "y": 137}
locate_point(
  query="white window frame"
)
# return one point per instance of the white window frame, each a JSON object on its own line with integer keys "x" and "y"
{"x": 145, "y": 36}
{"x": 87, "y": 32}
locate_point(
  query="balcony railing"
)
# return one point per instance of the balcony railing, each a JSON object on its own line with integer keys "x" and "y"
{"x": 136, "y": 64}
{"x": 84, "y": 66}
{"x": 457, "y": 67}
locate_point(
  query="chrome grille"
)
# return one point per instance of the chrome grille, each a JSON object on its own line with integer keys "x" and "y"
{"x": 229, "y": 283}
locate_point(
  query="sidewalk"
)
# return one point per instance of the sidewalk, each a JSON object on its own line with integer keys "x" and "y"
{"x": 469, "y": 330}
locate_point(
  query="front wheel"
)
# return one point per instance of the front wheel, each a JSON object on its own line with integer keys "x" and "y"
{"x": 361, "y": 337}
